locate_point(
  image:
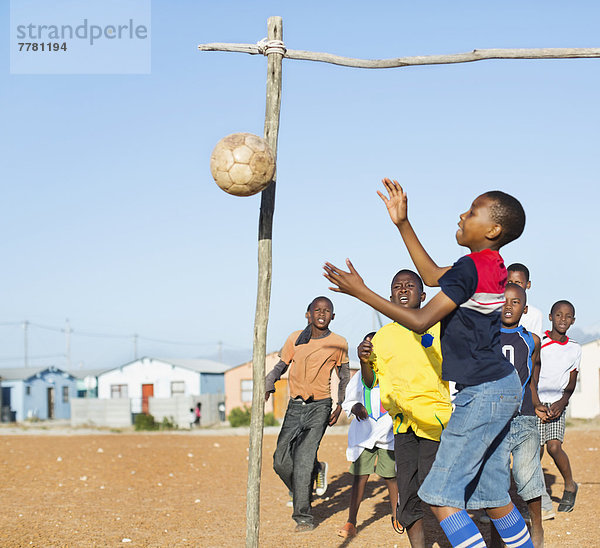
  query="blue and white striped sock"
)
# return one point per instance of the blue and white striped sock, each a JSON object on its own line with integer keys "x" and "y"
{"x": 513, "y": 530}
{"x": 462, "y": 531}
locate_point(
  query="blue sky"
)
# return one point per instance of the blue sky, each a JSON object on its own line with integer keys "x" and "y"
{"x": 110, "y": 217}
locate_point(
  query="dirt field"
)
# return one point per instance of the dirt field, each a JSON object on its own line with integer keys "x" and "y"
{"x": 188, "y": 489}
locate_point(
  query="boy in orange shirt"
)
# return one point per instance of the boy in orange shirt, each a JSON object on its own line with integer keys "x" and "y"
{"x": 311, "y": 355}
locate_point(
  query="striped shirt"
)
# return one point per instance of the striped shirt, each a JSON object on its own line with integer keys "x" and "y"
{"x": 471, "y": 344}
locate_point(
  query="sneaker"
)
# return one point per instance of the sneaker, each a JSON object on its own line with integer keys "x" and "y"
{"x": 304, "y": 526}
{"x": 321, "y": 486}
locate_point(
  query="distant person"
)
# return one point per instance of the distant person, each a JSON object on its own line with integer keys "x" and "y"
{"x": 198, "y": 414}
{"x": 471, "y": 468}
{"x": 407, "y": 368}
{"x": 561, "y": 357}
{"x": 532, "y": 319}
{"x": 192, "y": 418}
{"x": 370, "y": 446}
{"x": 312, "y": 355}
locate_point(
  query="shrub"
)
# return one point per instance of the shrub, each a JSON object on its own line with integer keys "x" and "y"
{"x": 241, "y": 417}
{"x": 168, "y": 423}
{"x": 270, "y": 420}
{"x": 145, "y": 422}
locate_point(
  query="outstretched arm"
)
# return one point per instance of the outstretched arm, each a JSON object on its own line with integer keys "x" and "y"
{"x": 397, "y": 206}
{"x": 415, "y": 319}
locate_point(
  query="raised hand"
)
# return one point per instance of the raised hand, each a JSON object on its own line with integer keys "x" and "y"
{"x": 396, "y": 201}
{"x": 347, "y": 282}
{"x": 364, "y": 350}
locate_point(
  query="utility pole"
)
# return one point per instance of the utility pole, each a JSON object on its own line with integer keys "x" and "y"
{"x": 135, "y": 346}
{"x": 68, "y": 343}
{"x": 25, "y": 344}
{"x": 220, "y": 351}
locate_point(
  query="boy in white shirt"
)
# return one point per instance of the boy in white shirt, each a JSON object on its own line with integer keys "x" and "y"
{"x": 560, "y": 358}
{"x": 370, "y": 446}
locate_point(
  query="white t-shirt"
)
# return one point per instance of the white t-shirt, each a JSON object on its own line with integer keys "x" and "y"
{"x": 532, "y": 321}
{"x": 558, "y": 360}
{"x": 376, "y": 430}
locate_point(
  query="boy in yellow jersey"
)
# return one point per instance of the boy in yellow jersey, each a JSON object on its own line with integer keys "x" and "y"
{"x": 408, "y": 368}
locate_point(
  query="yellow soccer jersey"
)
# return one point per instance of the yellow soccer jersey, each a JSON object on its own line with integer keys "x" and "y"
{"x": 408, "y": 368}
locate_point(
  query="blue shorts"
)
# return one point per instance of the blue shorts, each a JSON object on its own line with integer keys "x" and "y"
{"x": 524, "y": 440}
{"x": 472, "y": 465}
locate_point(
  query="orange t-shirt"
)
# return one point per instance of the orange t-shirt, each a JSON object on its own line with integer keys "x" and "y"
{"x": 311, "y": 364}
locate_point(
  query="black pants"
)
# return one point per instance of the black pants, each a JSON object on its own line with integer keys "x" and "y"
{"x": 414, "y": 457}
{"x": 294, "y": 459}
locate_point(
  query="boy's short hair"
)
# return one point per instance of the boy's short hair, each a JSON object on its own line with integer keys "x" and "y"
{"x": 318, "y": 299}
{"x": 562, "y": 301}
{"x": 519, "y": 288}
{"x": 519, "y": 267}
{"x": 508, "y": 212}
{"x": 413, "y": 274}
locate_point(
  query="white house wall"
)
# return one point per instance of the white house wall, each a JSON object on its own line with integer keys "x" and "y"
{"x": 148, "y": 371}
{"x": 585, "y": 401}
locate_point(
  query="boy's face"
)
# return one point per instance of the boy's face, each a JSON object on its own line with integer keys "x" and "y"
{"x": 320, "y": 313}
{"x": 406, "y": 291}
{"x": 476, "y": 228}
{"x": 517, "y": 277}
{"x": 514, "y": 305}
{"x": 562, "y": 318}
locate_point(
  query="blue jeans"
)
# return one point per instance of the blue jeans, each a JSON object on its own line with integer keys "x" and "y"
{"x": 294, "y": 459}
{"x": 472, "y": 465}
{"x": 524, "y": 440}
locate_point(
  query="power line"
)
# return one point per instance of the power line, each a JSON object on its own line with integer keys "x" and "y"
{"x": 70, "y": 332}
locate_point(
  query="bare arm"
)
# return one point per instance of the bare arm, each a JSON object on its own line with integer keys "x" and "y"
{"x": 397, "y": 206}
{"x": 364, "y": 350}
{"x": 415, "y": 319}
{"x": 558, "y": 407}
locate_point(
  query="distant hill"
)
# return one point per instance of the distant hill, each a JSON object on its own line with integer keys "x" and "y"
{"x": 230, "y": 356}
{"x": 582, "y": 336}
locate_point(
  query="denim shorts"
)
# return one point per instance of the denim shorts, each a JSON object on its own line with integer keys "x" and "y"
{"x": 524, "y": 440}
{"x": 472, "y": 466}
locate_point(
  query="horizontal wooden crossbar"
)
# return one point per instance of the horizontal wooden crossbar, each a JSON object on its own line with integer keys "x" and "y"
{"x": 468, "y": 57}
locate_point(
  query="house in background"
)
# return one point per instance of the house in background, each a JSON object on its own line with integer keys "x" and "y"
{"x": 239, "y": 385}
{"x": 37, "y": 393}
{"x": 585, "y": 401}
{"x": 148, "y": 377}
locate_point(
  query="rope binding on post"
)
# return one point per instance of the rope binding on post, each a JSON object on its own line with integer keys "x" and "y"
{"x": 266, "y": 46}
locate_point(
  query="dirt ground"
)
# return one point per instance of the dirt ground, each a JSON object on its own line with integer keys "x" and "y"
{"x": 189, "y": 489}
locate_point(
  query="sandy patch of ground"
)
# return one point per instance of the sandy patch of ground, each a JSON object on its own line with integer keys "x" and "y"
{"x": 189, "y": 489}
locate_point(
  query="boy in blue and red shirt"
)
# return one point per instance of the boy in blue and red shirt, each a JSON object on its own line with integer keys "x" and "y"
{"x": 471, "y": 469}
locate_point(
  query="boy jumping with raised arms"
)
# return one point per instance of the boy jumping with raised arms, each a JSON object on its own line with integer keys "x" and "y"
{"x": 471, "y": 468}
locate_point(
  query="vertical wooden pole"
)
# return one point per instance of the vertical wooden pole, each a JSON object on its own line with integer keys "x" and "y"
{"x": 263, "y": 297}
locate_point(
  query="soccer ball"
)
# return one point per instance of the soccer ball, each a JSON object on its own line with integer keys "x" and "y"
{"x": 242, "y": 164}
